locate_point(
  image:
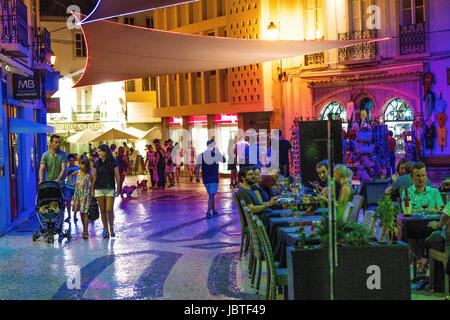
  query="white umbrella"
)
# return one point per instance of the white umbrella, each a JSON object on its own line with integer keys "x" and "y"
{"x": 135, "y": 132}
{"x": 153, "y": 133}
{"x": 84, "y": 136}
{"x": 114, "y": 134}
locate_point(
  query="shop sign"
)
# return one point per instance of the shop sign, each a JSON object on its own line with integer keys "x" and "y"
{"x": 53, "y": 105}
{"x": 176, "y": 121}
{"x": 198, "y": 120}
{"x": 226, "y": 118}
{"x": 26, "y": 87}
{"x": 82, "y": 126}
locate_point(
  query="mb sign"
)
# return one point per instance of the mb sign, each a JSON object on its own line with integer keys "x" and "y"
{"x": 26, "y": 87}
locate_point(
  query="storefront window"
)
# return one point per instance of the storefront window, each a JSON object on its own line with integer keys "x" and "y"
{"x": 337, "y": 111}
{"x": 399, "y": 119}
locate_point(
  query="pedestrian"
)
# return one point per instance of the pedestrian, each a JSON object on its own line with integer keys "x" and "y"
{"x": 106, "y": 177}
{"x": 232, "y": 163}
{"x": 392, "y": 144}
{"x": 82, "y": 196}
{"x": 190, "y": 162}
{"x": 208, "y": 161}
{"x": 160, "y": 160}
{"x": 178, "y": 162}
{"x": 123, "y": 166}
{"x": 68, "y": 189}
{"x": 113, "y": 150}
{"x": 53, "y": 162}
{"x": 150, "y": 164}
{"x": 132, "y": 158}
{"x": 284, "y": 151}
{"x": 241, "y": 152}
{"x": 170, "y": 166}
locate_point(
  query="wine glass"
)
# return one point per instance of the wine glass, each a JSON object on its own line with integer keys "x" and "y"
{"x": 424, "y": 203}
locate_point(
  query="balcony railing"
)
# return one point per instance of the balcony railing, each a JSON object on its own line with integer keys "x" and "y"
{"x": 42, "y": 51}
{"x": 14, "y": 22}
{"x": 315, "y": 59}
{"x": 412, "y": 39}
{"x": 85, "y": 115}
{"x": 363, "y": 51}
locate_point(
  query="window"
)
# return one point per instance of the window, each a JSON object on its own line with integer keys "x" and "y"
{"x": 412, "y": 12}
{"x": 145, "y": 84}
{"x": 398, "y": 110}
{"x": 80, "y": 45}
{"x": 337, "y": 111}
{"x": 153, "y": 83}
{"x": 129, "y": 20}
{"x": 358, "y": 14}
{"x": 130, "y": 86}
{"x": 149, "y": 23}
{"x": 314, "y": 19}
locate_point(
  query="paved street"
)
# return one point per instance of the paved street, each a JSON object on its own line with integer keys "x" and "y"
{"x": 165, "y": 248}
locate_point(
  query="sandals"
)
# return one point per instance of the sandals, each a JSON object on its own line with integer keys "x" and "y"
{"x": 105, "y": 235}
{"x": 85, "y": 235}
{"x": 113, "y": 234}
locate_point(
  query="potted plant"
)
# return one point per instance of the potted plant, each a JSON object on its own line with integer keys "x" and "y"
{"x": 387, "y": 216}
{"x": 309, "y": 267}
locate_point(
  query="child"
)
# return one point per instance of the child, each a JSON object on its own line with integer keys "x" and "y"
{"x": 67, "y": 188}
{"x": 82, "y": 196}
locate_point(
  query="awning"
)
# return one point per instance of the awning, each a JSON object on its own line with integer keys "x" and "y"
{"x": 118, "y": 52}
{"x": 23, "y": 126}
{"x": 113, "y": 8}
{"x": 15, "y": 67}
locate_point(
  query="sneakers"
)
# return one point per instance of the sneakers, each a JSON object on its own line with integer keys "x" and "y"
{"x": 215, "y": 213}
{"x": 209, "y": 215}
{"x": 67, "y": 219}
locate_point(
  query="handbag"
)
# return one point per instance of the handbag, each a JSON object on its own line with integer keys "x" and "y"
{"x": 93, "y": 211}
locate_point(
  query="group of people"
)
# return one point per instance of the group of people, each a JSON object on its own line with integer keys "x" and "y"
{"x": 95, "y": 177}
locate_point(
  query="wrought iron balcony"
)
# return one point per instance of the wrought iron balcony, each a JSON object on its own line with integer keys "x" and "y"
{"x": 315, "y": 59}
{"x": 42, "y": 51}
{"x": 14, "y": 28}
{"x": 363, "y": 51}
{"x": 412, "y": 39}
{"x": 85, "y": 116}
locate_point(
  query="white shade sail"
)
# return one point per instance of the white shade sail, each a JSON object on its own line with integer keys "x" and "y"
{"x": 118, "y": 52}
{"x": 84, "y": 136}
{"x": 135, "y": 132}
{"x": 114, "y": 134}
{"x": 106, "y": 9}
{"x": 153, "y": 133}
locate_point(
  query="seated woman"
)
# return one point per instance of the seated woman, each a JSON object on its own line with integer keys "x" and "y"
{"x": 400, "y": 169}
{"x": 343, "y": 177}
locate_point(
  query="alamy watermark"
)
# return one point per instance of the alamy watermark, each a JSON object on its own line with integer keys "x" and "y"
{"x": 72, "y": 22}
{"x": 74, "y": 280}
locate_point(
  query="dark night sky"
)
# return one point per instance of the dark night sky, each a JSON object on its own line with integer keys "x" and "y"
{"x": 59, "y": 7}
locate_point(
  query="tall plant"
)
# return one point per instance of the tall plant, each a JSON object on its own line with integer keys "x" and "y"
{"x": 387, "y": 216}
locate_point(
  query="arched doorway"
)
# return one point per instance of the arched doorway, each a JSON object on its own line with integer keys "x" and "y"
{"x": 337, "y": 111}
{"x": 398, "y": 116}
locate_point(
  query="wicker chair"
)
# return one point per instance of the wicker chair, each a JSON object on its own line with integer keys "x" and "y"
{"x": 276, "y": 277}
{"x": 438, "y": 256}
{"x": 245, "y": 235}
{"x": 256, "y": 255}
{"x": 357, "y": 205}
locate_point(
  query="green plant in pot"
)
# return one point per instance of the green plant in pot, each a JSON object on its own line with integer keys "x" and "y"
{"x": 387, "y": 216}
{"x": 347, "y": 233}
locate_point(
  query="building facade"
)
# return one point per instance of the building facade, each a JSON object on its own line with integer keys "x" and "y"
{"x": 25, "y": 66}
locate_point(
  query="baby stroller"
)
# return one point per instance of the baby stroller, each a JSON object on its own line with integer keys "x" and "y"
{"x": 49, "y": 208}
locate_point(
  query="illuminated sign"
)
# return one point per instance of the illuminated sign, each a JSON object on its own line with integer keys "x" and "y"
{"x": 176, "y": 121}
{"x": 26, "y": 87}
{"x": 226, "y": 118}
{"x": 198, "y": 120}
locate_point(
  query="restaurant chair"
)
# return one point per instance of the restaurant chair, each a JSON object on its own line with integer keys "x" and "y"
{"x": 369, "y": 220}
{"x": 347, "y": 211}
{"x": 442, "y": 257}
{"x": 357, "y": 205}
{"x": 256, "y": 256}
{"x": 245, "y": 236}
{"x": 378, "y": 231}
{"x": 276, "y": 277}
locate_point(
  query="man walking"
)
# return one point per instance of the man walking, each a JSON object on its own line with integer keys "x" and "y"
{"x": 392, "y": 144}
{"x": 53, "y": 162}
{"x": 209, "y": 163}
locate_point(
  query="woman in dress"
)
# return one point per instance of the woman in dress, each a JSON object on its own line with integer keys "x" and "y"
{"x": 160, "y": 160}
{"x": 150, "y": 164}
{"x": 82, "y": 195}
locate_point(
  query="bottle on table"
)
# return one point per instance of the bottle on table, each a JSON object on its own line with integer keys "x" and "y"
{"x": 406, "y": 204}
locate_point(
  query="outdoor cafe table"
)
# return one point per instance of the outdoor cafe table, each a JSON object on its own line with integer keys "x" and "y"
{"x": 287, "y": 237}
{"x": 415, "y": 226}
{"x": 275, "y": 223}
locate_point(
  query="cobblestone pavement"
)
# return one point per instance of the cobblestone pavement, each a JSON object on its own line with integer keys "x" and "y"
{"x": 165, "y": 248}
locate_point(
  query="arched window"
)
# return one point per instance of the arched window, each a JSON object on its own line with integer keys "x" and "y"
{"x": 336, "y": 109}
{"x": 399, "y": 117}
{"x": 398, "y": 110}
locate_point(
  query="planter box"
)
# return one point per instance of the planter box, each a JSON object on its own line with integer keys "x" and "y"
{"x": 309, "y": 273}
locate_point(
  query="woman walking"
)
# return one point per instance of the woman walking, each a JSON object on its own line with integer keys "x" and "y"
{"x": 106, "y": 177}
{"x": 122, "y": 160}
{"x": 191, "y": 162}
{"x": 82, "y": 195}
{"x": 150, "y": 164}
{"x": 160, "y": 160}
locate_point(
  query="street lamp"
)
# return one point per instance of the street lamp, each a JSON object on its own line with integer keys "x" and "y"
{"x": 53, "y": 59}
{"x": 272, "y": 31}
